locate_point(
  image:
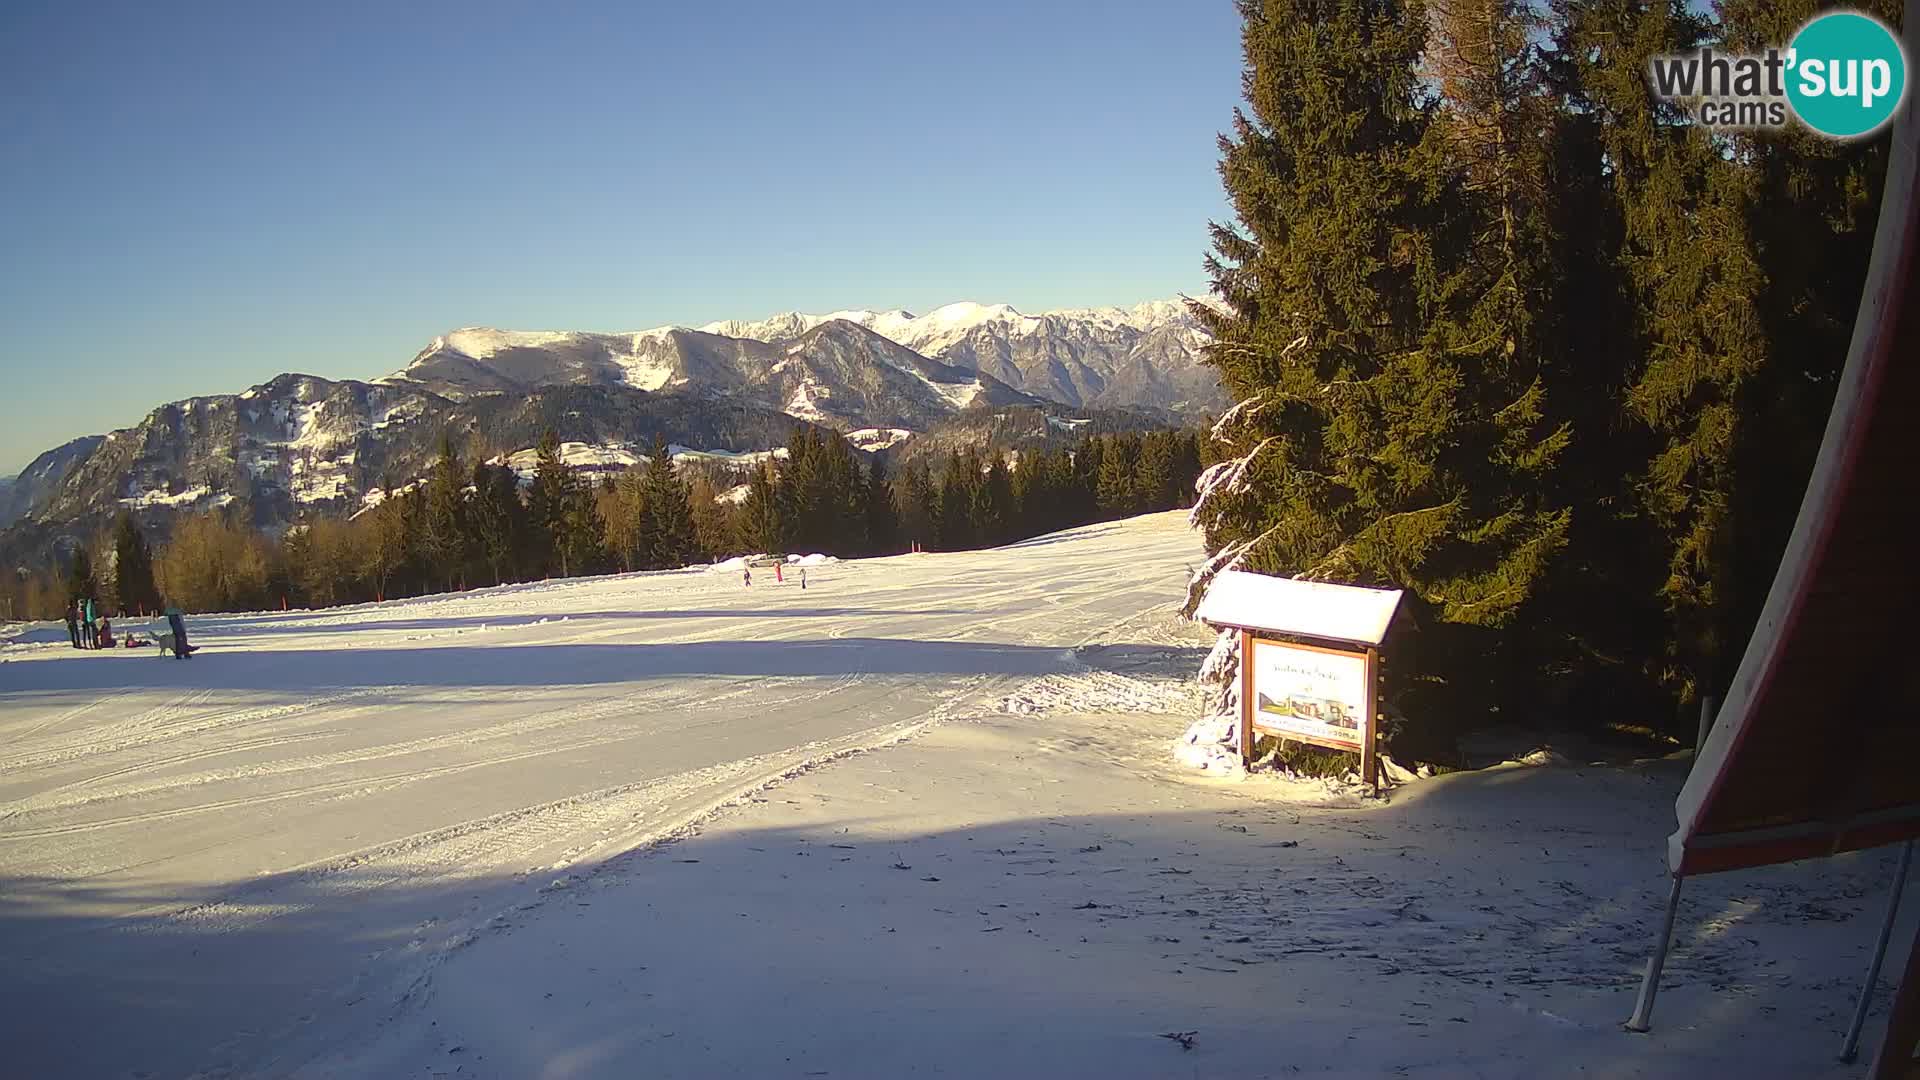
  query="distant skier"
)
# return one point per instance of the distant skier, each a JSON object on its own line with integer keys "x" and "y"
{"x": 776, "y": 574}
{"x": 73, "y": 622}
{"x": 746, "y": 575}
{"x": 803, "y": 579}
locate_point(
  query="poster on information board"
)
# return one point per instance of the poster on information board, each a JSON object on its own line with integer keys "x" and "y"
{"x": 1313, "y": 694}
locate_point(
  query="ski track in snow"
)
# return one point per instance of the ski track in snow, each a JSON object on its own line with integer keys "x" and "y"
{"x": 475, "y": 745}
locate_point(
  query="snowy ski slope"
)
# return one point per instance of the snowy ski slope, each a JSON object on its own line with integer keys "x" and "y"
{"x": 453, "y": 753}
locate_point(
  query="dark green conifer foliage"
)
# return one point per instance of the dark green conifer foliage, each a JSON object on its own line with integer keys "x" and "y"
{"x": 444, "y": 529}
{"x": 1117, "y": 493}
{"x": 1391, "y": 427}
{"x": 953, "y": 520}
{"x": 667, "y": 532}
{"x": 1689, "y": 269}
{"x": 919, "y": 506}
{"x": 81, "y": 582}
{"x": 134, "y": 589}
{"x": 498, "y": 519}
{"x": 561, "y": 510}
{"x": 883, "y": 517}
{"x": 763, "y": 525}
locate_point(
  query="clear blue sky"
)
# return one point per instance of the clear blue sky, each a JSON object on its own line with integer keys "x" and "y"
{"x": 197, "y": 197}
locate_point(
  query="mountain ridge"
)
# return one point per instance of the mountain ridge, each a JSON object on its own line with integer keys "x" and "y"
{"x": 297, "y": 441}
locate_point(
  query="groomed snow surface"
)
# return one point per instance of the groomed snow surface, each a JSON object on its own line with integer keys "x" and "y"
{"x": 921, "y": 818}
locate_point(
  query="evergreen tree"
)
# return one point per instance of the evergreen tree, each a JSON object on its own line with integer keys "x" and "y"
{"x": 843, "y": 498}
{"x": 763, "y": 526}
{"x": 444, "y": 530}
{"x": 81, "y": 582}
{"x": 498, "y": 518}
{"x": 1153, "y": 480}
{"x": 953, "y": 524}
{"x": 806, "y": 513}
{"x": 1186, "y": 468}
{"x": 1084, "y": 504}
{"x": 558, "y": 508}
{"x": 919, "y": 506}
{"x": 1033, "y": 495}
{"x": 1115, "y": 486}
{"x": 1689, "y": 271}
{"x": 1390, "y": 427}
{"x": 1811, "y": 212}
{"x": 883, "y": 518}
{"x": 990, "y": 506}
{"x": 134, "y": 590}
{"x": 670, "y": 540}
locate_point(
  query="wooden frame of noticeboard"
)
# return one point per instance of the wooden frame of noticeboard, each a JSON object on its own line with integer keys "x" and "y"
{"x": 1312, "y": 718}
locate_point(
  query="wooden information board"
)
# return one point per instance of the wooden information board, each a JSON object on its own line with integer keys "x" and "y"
{"x": 1320, "y": 690}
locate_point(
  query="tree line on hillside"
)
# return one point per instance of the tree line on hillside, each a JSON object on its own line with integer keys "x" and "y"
{"x": 461, "y": 527}
{"x": 1512, "y": 334}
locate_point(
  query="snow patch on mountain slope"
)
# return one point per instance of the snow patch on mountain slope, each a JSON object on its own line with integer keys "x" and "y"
{"x": 579, "y": 456}
{"x": 744, "y": 457}
{"x": 959, "y": 395}
{"x": 481, "y": 342}
{"x": 645, "y": 372}
{"x": 871, "y": 439}
{"x": 146, "y": 499}
{"x": 802, "y": 405}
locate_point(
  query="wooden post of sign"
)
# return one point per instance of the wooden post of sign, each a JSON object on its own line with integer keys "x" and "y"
{"x": 1246, "y": 699}
{"x": 1369, "y": 755}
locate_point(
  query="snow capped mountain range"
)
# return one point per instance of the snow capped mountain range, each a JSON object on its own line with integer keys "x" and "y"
{"x": 1146, "y": 356}
{"x": 891, "y": 378}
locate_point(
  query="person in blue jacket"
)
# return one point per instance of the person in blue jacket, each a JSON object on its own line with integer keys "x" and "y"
{"x": 89, "y": 631}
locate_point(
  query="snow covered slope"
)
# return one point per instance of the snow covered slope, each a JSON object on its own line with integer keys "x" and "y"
{"x": 307, "y": 816}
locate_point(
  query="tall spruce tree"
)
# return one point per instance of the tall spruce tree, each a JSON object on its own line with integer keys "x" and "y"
{"x": 763, "y": 524}
{"x": 883, "y": 518}
{"x": 990, "y": 506}
{"x": 919, "y": 506}
{"x": 134, "y": 588}
{"x": 1390, "y": 422}
{"x": 669, "y": 534}
{"x": 1116, "y": 485}
{"x": 1811, "y": 214}
{"x": 445, "y": 531}
{"x": 81, "y": 582}
{"x": 952, "y": 517}
{"x": 498, "y": 518}
{"x": 553, "y": 508}
{"x": 1690, "y": 272}
{"x": 1153, "y": 480}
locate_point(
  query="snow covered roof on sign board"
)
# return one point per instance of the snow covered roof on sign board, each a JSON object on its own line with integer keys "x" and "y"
{"x": 1307, "y": 608}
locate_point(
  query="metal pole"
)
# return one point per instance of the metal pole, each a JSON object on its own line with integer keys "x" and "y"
{"x": 1643, "y": 1009}
{"x": 1852, "y": 1045}
{"x": 1708, "y": 707}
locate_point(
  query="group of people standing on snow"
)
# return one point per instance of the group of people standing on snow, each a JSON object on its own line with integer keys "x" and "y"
{"x": 89, "y": 628}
